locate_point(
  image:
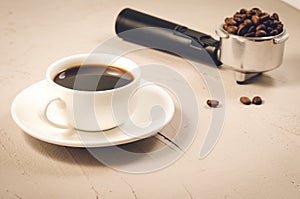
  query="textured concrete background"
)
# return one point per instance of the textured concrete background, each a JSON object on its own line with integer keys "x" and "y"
{"x": 257, "y": 156}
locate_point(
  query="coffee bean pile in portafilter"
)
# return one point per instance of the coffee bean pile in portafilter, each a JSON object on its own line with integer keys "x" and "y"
{"x": 253, "y": 23}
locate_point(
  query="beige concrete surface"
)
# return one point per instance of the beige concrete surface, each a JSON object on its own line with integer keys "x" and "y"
{"x": 257, "y": 155}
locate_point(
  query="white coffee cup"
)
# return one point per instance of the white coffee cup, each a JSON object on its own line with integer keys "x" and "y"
{"x": 92, "y": 110}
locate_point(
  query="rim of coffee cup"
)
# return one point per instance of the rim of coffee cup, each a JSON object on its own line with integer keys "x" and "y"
{"x": 113, "y": 61}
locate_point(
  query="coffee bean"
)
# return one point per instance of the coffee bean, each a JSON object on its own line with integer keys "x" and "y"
{"x": 258, "y": 12}
{"x": 212, "y": 103}
{"x": 279, "y": 26}
{"x": 257, "y": 100}
{"x": 251, "y": 29}
{"x": 242, "y": 29}
{"x": 274, "y": 32}
{"x": 255, "y": 19}
{"x": 253, "y": 23}
{"x": 256, "y": 9}
{"x": 231, "y": 21}
{"x": 248, "y": 22}
{"x": 225, "y": 26}
{"x": 273, "y": 25}
{"x": 253, "y": 12}
{"x": 238, "y": 19}
{"x": 275, "y": 16}
{"x": 232, "y": 29}
{"x": 264, "y": 17}
{"x": 245, "y": 100}
{"x": 243, "y": 16}
{"x": 260, "y": 27}
{"x": 260, "y": 33}
{"x": 248, "y": 16}
{"x": 239, "y": 15}
{"x": 269, "y": 30}
{"x": 267, "y": 23}
{"x": 243, "y": 11}
{"x": 276, "y": 22}
{"x": 249, "y": 34}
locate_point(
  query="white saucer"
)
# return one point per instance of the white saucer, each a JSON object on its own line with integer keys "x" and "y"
{"x": 154, "y": 108}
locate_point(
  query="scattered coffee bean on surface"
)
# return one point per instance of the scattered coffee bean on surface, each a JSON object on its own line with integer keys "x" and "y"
{"x": 245, "y": 100}
{"x": 253, "y": 23}
{"x": 212, "y": 103}
{"x": 257, "y": 100}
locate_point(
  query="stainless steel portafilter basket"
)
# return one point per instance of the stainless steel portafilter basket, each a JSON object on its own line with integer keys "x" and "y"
{"x": 250, "y": 56}
{"x": 247, "y": 56}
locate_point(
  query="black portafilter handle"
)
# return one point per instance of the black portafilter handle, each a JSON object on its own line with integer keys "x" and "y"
{"x": 153, "y": 32}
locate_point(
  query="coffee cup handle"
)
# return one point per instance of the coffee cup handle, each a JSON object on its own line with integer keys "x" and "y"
{"x": 45, "y": 109}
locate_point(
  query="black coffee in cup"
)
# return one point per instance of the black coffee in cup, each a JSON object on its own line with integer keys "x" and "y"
{"x": 93, "y": 77}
